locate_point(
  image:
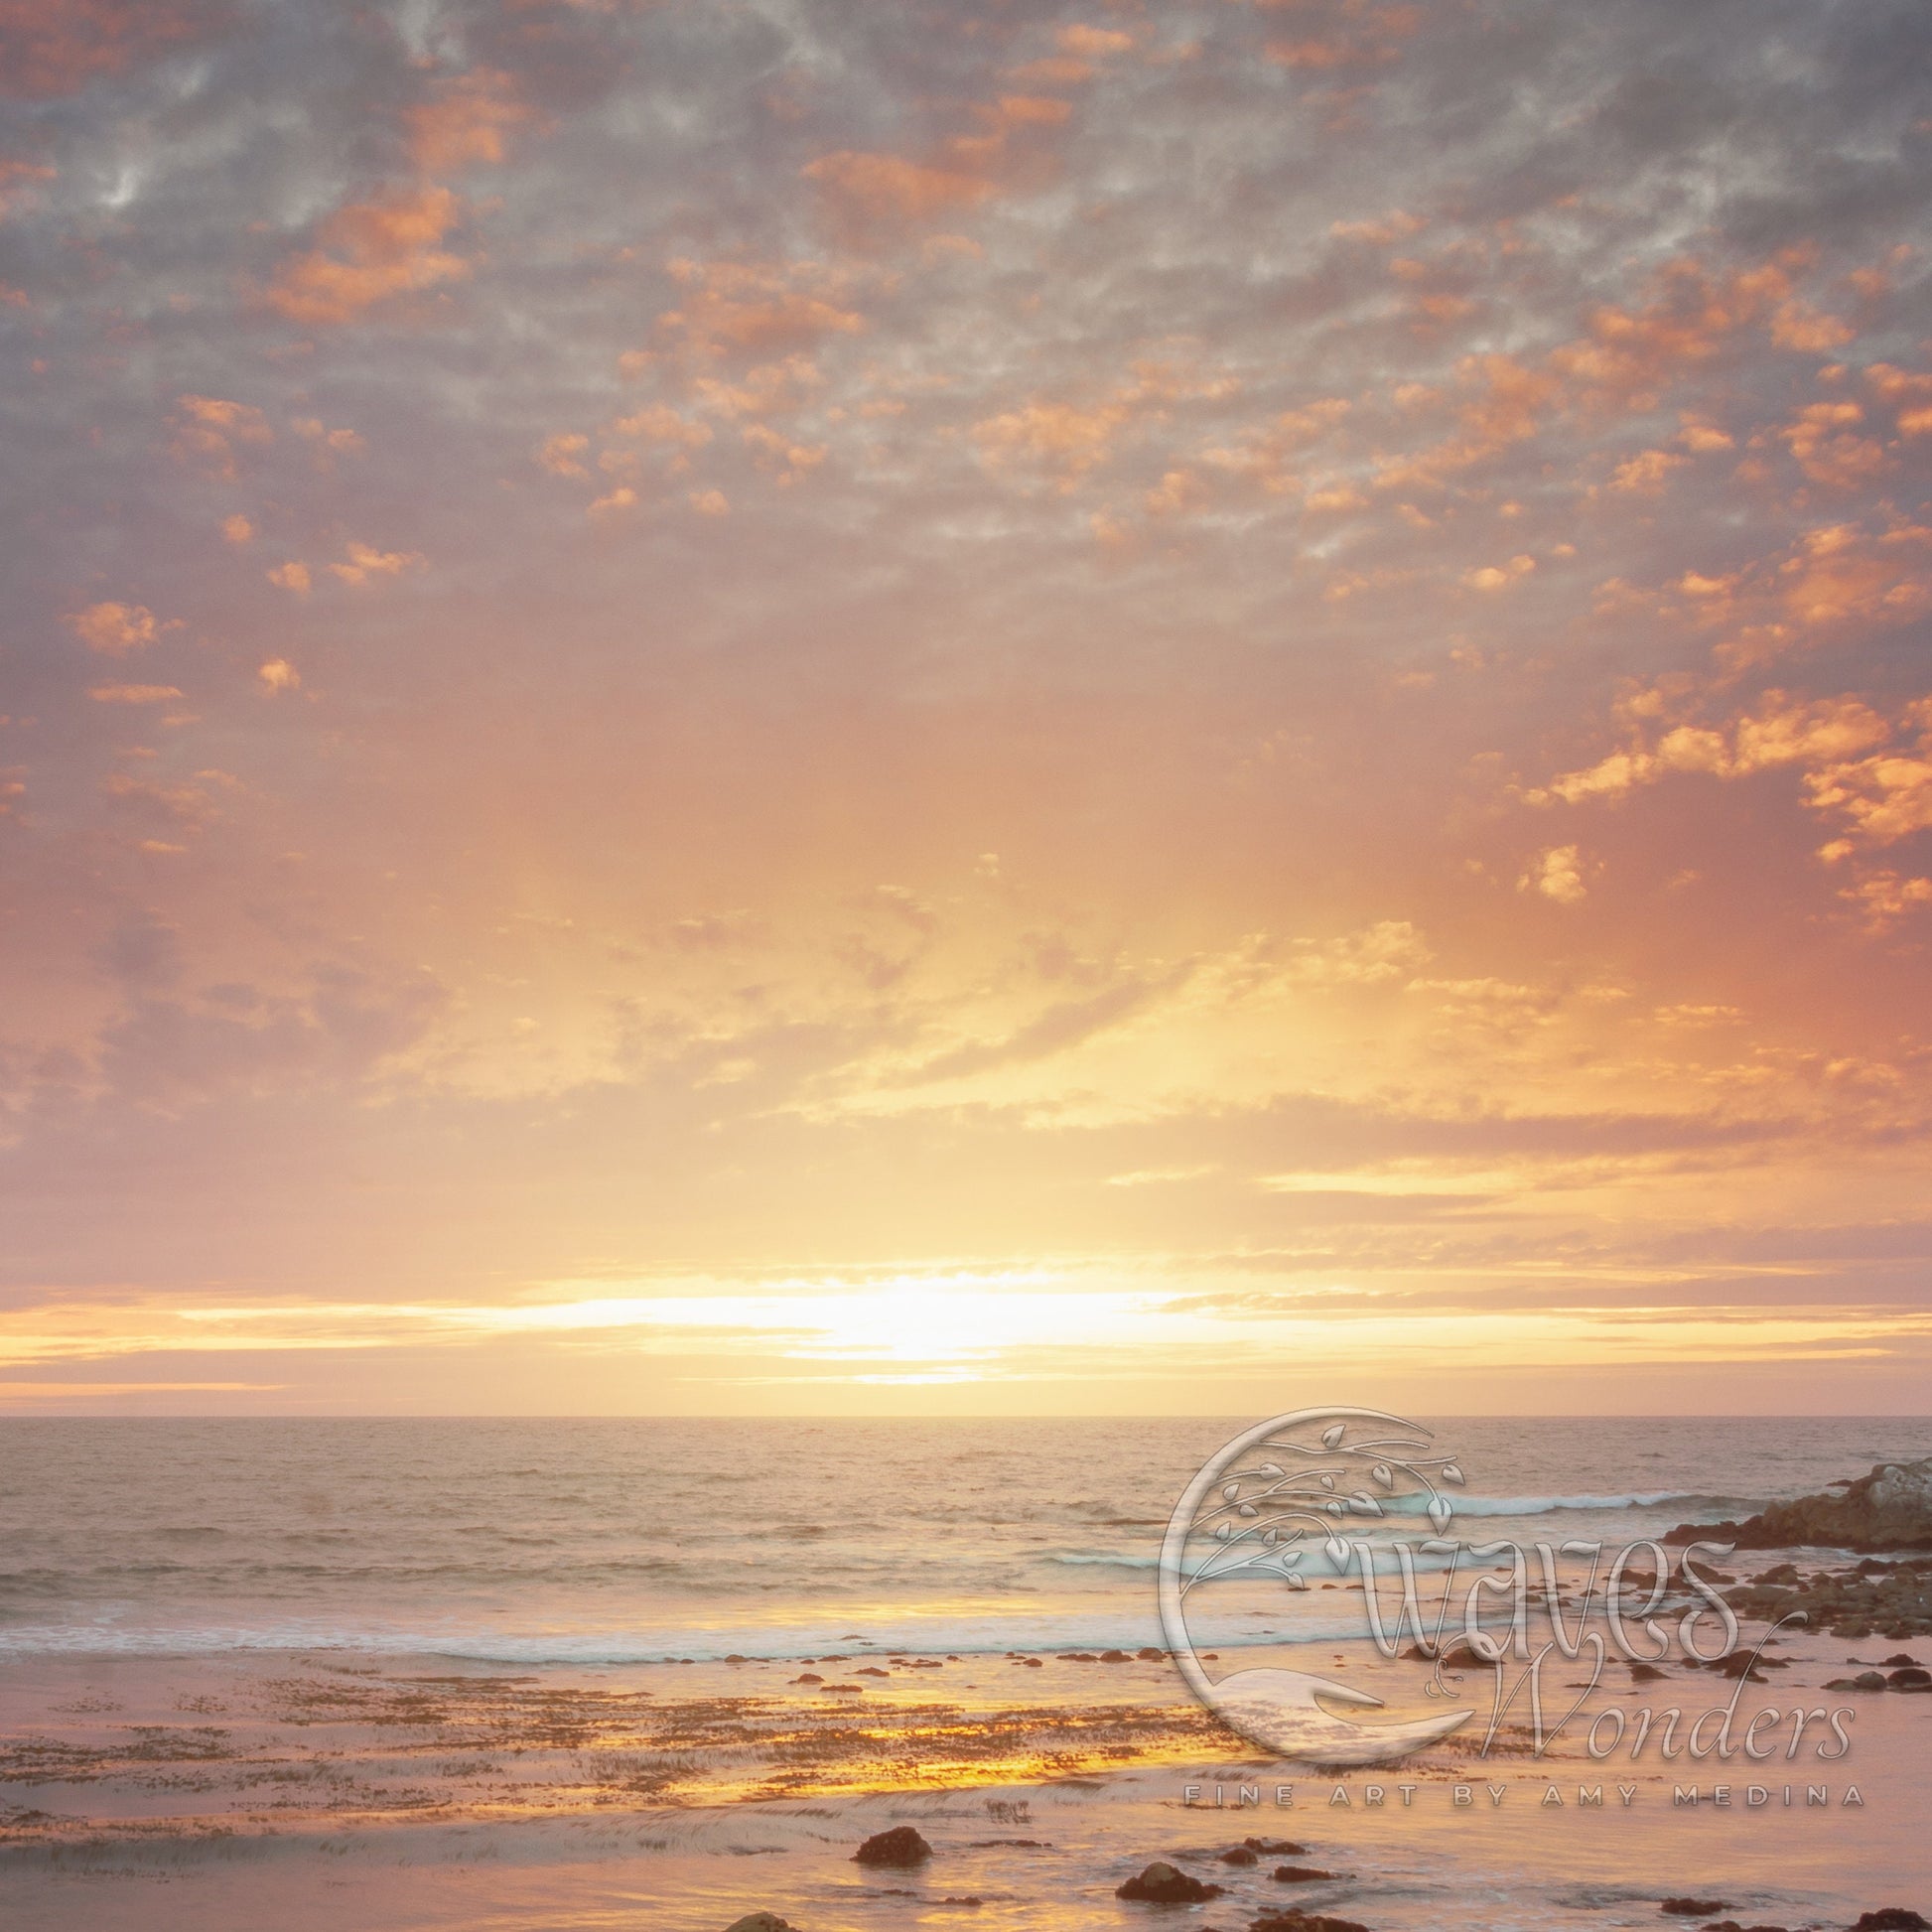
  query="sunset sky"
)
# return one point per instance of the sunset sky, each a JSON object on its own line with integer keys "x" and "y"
{"x": 805, "y": 707}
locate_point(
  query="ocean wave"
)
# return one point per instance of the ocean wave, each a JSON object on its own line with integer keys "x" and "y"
{"x": 1690, "y": 1502}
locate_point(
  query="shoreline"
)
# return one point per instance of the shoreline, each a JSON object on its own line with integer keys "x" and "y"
{"x": 328, "y": 1792}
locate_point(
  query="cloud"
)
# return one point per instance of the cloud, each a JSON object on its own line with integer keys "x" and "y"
{"x": 1557, "y": 874}
{"x": 364, "y": 563}
{"x": 563, "y": 454}
{"x": 887, "y": 188}
{"x": 115, "y": 629}
{"x": 133, "y": 693}
{"x": 1499, "y": 577}
{"x": 731, "y": 306}
{"x": 1885, "y": 896}
{"x": 49, "y": 48}
{"x": 291, "y": 576}
{"x": 211, "y": 431}
{"x": 371, "y": 253}
{"x": 465, "y": 123}
{"x": 278, "y": 674}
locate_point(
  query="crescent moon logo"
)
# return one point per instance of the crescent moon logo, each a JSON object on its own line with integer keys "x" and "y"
{"x": 1262, "y": 1507}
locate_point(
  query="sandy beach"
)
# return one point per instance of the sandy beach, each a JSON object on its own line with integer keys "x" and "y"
{"x": 310, "y": 1790}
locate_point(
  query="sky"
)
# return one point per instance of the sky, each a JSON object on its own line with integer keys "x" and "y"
{"x": 994, "y": 707}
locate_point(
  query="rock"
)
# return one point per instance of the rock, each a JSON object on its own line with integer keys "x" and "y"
{"x": 1890, "y": 1509}
{"x": 902, "y": 1845}
{"x": 1114, "y": 1657}
{"x": 1297, "y": 1920}
{"x": 761, "y": 1922}
{"x": 871, "y": 1670}
{"x": 1162, "y": 1884}
{"x": 1148, "y": 1655}
{"x": 1731, "y": 1925}
{"x": 1277, "y": 1847}
{"x": 1644, "y": 1673}
{"x": 1893, "y": 1918}
{"x": 1911, "y": 1679}
{"x": 1694, "y": 1907}
{"x": 1898, "y": 1659}
{"x": 1241, "y": 1855}
{"x": 810, "y": 1677}
{"x": 1299, "y": 1875}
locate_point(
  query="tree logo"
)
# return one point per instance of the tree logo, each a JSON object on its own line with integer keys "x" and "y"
{"x": 1289, "y": 1505}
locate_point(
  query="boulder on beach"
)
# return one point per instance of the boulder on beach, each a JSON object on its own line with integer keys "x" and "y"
{"x": 1890, "y": 1509}
{"x": 1297, "y": 1920}
{"x": 1694, "y": 1907}
{"x": 1166, "y": 1884}
{"x": 902, "y": 1845}
{"x": 1299, "y": 1875}
{"x": 761, "y": 1922}
{"x": 1892, "y": 1918}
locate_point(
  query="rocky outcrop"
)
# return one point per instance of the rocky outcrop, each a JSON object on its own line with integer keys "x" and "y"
{"x": 761, "y": 1922}
{"x": 1166, "y": 1884}
{"x": 1297, "y": 1920}
{"x": 1886, "y": 1600}
{"x": 899, "y": 1846}
{"x": 1890, "y": 1509}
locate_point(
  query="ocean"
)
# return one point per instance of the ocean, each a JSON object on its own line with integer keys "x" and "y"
{"x": 611, "y": 1541}
{"x": 580, "y": 1675}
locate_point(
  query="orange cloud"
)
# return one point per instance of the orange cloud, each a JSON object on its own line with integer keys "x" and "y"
{"x": 563, "y": 454}
{"x": 1909, "y": 393}
{"x": 329, "y": 442}
{"x": 372, "y": 251}
{"x": 49, "y": 48}
{"x": 465, "y": 123}
{"x": 1843, "y": 748}
{"x": 16, "y": 182}
{"x": 1506, "y": 402}
{"x": 115, "y": 629}
{"x": 291, "y": 576}
{"x": 1394, "y": 226}
{"x": 731, "y": 306}
{"x": 867, "y": 193}
{"x": 1884, "y": 798}
{"x": 365, "y": 563}
{"x": 1827, "y": 450}
{"x": 1060, "y": 435}
{"x": 878, "y": 188}
{"x": 278, "y": 674}
{"x": 1494, "y": 577}
{"x": 1557, "y": 874}
{"x": 133, "y": 693}
{"x": 660, "y": 423}
{"x": 1885, "y": 896}
{"x": 1093, "y": 42}
{"x": 207, "y": 429}
{"x": 1646, "y": 472}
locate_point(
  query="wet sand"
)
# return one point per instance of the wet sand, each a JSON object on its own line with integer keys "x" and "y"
{"x": 321, "y": 1791}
